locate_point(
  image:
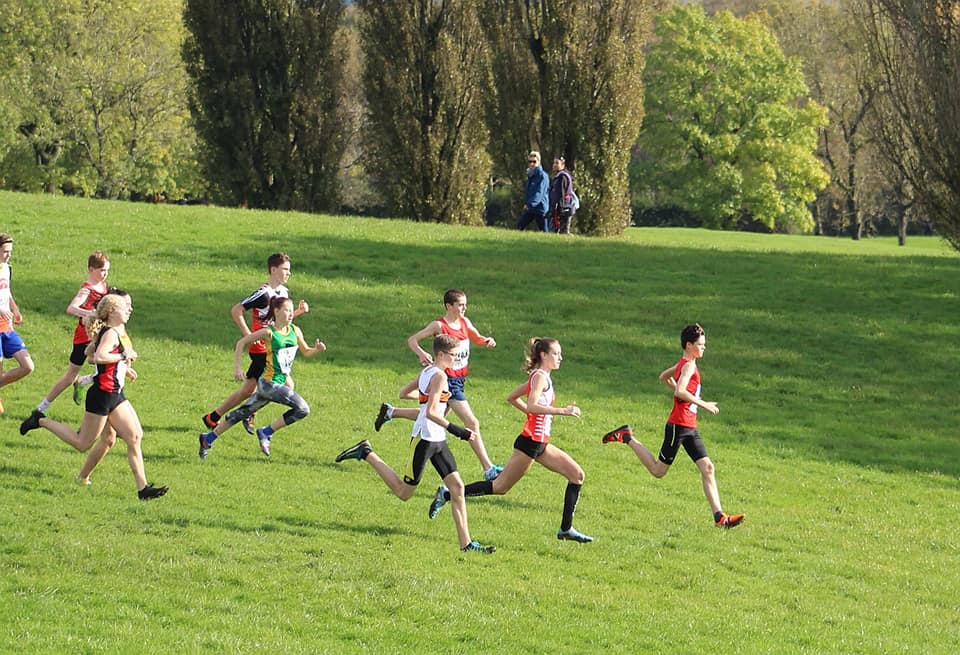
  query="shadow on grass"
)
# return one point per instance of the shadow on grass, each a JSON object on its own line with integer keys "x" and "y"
{"x": 292, "y": 526}
{"x": 828, "y": 342}
{"x": 21, "y": 473}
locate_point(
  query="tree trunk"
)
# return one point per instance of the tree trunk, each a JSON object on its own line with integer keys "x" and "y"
{"x": 850, "y": 199}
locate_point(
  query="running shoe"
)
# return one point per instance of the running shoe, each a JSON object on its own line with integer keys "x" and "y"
{"x": 574, "y": 535}
{"x": 205, "y": 445}
{"x": 248, "y": 425}
{"x": 618, "y": 434}
{"x": 730, "y": 520}
{"x": 492, "y": 473}
{"x": 32, "y": 422}
{"x": 209, "y": 422}
{"x": 359, "y": 450}
{"x": 77, "y": 393}
{"x": 382, "y": 416}
{"x": 474, "y": 546}
{"x": 439, "y": 500}
{"x": 150, "y": 492}
{"x": 264, "y": 442}
{"x": 84, "y": 481}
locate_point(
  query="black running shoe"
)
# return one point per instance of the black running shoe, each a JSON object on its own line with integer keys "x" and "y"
{"x": 149, "y": 492}
{"x": 32, "y": 422}
{"x": 357, "y": 451}
{"x": 382, "y": 416}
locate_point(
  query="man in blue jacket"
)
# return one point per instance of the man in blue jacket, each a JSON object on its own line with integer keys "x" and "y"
{"x": 536, "y": 200}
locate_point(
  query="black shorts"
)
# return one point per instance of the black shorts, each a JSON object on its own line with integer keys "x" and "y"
{"x": 676, "y": 435}
{"x": 258, "y": 364}
{"x": 529, "y": 447}
{"x": 102, "y": 402}
{"x": 437, "y": 453}
{"x": 78, "y": 356}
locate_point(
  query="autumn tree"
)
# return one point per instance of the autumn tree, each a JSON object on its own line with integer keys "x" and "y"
{"x": 827, "y": 39}
{"x": 916, "y": 46}
{"x": 729, "y": 133}
{"x": 267, "y": 81}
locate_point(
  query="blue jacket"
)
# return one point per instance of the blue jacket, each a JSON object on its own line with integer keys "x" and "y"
{"x": 538, "y": 188}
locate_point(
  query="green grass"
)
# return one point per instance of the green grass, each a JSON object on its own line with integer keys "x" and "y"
{"x": 835, "y": 365}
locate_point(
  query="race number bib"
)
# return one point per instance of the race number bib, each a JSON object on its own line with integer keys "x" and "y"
{"x": 285, "y": 359}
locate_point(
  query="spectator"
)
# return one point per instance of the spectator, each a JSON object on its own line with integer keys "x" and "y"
{"x": 563, "y": 201}
{"x": 536, "y": 199}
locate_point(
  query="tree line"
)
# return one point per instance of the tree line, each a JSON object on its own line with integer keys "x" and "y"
{"x": 780, "y": 115}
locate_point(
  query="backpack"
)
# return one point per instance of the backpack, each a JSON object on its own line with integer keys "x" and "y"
{"x": 569, "y": 203}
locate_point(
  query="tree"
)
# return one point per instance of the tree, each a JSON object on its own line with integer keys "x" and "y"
{"x": 267, "y": 82}
{"x": 728, "y": 135}
{"x": 826, "y": 37}
{"x": 424, "y": 80}
{"x": 916, "y": 46}
{"x": 568, "y": 77}
{"x": 98, "y": 91}
{"x": 513, "y": 105}
{"x": 735, "y": 7}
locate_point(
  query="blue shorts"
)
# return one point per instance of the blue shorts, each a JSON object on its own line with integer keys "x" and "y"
{"x": 10, "y": 344}
{"x": 455, "y": 385}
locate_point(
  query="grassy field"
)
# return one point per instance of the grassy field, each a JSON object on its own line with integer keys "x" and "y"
{"x": 834, "y": 363}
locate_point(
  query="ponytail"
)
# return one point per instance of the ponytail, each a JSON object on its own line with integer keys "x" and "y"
{"x": 536, "y": 347}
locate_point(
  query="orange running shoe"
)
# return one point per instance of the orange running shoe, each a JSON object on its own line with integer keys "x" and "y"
{"x": 730, "y": 520}
{"x": 618, "y": 434}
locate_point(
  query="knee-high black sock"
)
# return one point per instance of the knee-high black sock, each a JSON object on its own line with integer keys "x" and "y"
{"x": 570, "y": 498}
{"x": 482, "y": 488}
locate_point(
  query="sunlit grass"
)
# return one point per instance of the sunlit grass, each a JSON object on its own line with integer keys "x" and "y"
{"x": 833, "y": 363}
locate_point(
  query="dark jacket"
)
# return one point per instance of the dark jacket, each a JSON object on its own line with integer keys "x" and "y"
{"x": 561, "y": 187}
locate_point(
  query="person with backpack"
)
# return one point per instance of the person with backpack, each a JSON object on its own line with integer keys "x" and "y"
{"x": 563, "y": 201}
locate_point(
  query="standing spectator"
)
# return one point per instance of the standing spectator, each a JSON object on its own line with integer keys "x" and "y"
{"x": 11, "y": 345}
{"x": 563, "y": 202}
{"x": 536, "y": 201}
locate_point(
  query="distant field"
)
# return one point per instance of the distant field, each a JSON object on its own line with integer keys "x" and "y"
{"x": 834, "y": 363}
